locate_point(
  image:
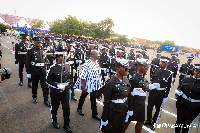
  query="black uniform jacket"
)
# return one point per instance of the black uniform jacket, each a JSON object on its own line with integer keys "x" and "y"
{"x": 173, "y": 66}
{"x": 54, "y": 75}
{"x": 104, "y": 61}
{"x": 19, "y": 48}
{"x": 191, "y": 88}
{"x": 35, "y": 56}
{"x": 114, "y": 90}
{"x": 137, "y": 103}
{"x": 186, "y": 69}
{"x": 164, "y": 78}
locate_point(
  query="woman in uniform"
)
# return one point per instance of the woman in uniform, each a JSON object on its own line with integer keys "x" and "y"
{"x": 115, "y": 95}
{"x": 188, "y": 103}
{"x": 59, "y": 90}
{"x": 136, "y": 99}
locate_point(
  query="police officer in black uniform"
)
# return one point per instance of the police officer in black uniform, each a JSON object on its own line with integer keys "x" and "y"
{"x": 133, "y": 65}
{"x": 124, "y": 52}
{"x": 58, "y": 78}
{"x": 115, "y": 95}
{"x": 48, "y": 49}
{"x": 173, "y": 66}
{"x": 20, "y": 58}
{"x": 155, "y": 63}
{"x": 188, "y": 103}
{"x": 159, "y": 90}
{"x": 137, "y": 97}
{"x": 104, "y": 62}
{"x": 36, "y": 70}
{"x": 145, "y": 56}
{"x": 131, "y": 55}
{"x": 70, "y": 61}
{"x": 78, "y": 59}
{"x": 96, "y": 46}
{"x": 186, "y": 69}
{"x": 88, "y": 51}
{"x": 112, "y": 51}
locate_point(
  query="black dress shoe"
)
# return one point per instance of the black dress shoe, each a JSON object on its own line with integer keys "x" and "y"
{"x": 55, "y": 124}
{"x": 68, "y": 129}
{"x": 47, "y": 104}
{"x": 34, "y": 100}
{"x": 80, "y": 112}
{"x": 20, "y": 83}
{"x": 96, "y": 117}
{"x": 147, "y": 122}
{"x": 152, "y": 128}
{"x": 30, "y": 85}
{"x": 74, "y": 98}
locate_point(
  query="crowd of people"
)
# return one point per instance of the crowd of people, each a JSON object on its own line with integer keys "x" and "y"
{"x": 64, "y": 63}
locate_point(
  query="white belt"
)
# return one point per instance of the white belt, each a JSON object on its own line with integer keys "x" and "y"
{"x": 77, "y": 61}
{"x": 160, "y": 89}
{"x": 189, "y": 99}
{"x": 37, "y": 64}
{"x": 48, "y": 53}
{"x": 138, "y": 92}
{"x": 185, "y": 75}
{"x": 22, "y": 52}
{"x": 131, "y": 60}
{"x": 70, "y": 62}
{"x": 155, "y": 65}
{"x": 119, "y": 100}
{"x": 104, "y": 69}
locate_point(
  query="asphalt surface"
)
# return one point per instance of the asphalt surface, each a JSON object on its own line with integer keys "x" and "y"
{"x": 19, "y": 115}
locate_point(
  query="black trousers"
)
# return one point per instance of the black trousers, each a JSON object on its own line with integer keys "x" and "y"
{"x": 21, "y": 67}
{"x": 58, "y": 97}
{"x": 185, "y": 115}
{"x": 92, "y": 99}
{"x": 157, "y": 102}
{"x": 35, "y": 81}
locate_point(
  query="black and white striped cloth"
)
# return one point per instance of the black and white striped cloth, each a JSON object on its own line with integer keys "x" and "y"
{"x": 91, "y": 72}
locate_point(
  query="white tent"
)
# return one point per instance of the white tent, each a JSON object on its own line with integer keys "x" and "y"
{"x": 22, "y": 22}
{"x": 2, "y": 21}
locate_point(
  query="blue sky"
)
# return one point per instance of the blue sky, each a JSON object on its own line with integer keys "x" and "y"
{"x": 174, "y": 20}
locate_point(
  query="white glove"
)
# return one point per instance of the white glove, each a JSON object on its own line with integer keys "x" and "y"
{"x": 151, "y": 86}
{"x": 136, "y": 91}
{"x": 17, "y": 64}
{"x": 61, "y": 86}
{"x": 179, "y": 93}
{"x": 157, "y": 85}
{"x": 103, "y": 123}
{"x": 129, "y": 113}
{"x": 164, "y": 100}
{"x": 29, "y": 76}
{"x": 173, "y": 79}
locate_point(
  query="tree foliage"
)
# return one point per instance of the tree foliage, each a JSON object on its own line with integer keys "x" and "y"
{"x": 37, "y": 23}
{"x": 3, "y": 27}
{"x": 120, "y": 38}
{"x": 72, "y": 26}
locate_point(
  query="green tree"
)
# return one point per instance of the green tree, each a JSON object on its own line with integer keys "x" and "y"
{"x": 37, "y": 23}
{"x": 169, "y": 42}
{"x": 3, "y": 27}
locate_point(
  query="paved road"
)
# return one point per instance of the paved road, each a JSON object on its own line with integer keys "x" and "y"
{"x": 18, "y": 114}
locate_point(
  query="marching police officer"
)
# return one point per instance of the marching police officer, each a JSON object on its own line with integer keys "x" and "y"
{"x": 36, "y": 70}
{"x": 186, "y": 69}
{"x": 155, "y": 63}
{"x": 88, "y": 51}
{"x": 159, "y": 90}
{"x": 112, "y": 51}
{"x": 20, "y": 58}
{"x": 78, "y": 59}
{"x": 188, "y": 103}
{"x": 70, "y": 61}
{"x": 124, "y": 52}
{"x": 115, "y": 96}
{"x": 136, "y": 99}
{"x": 104, "y": 62}
{"x": 134, "y": 66}
{"x": 145, "y": 56}
{"x": 131, "y": 55}
{"x": 58, "y": 78}
{"x": 173, "y": 66}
